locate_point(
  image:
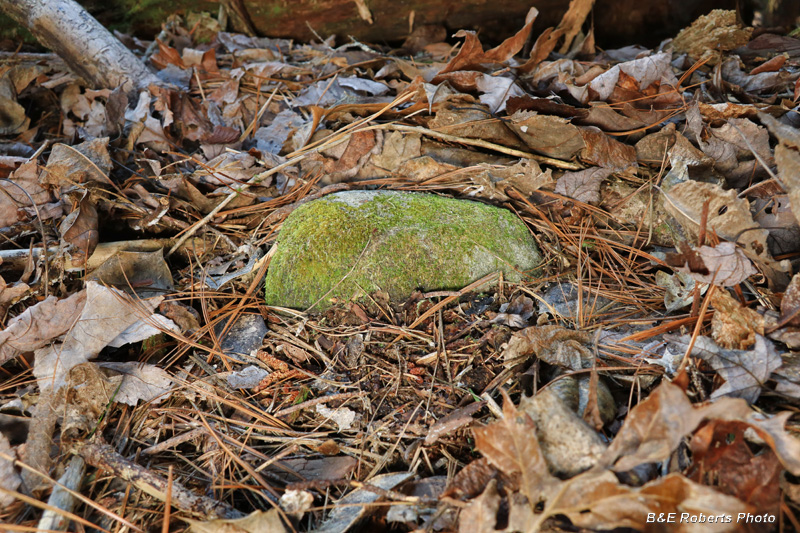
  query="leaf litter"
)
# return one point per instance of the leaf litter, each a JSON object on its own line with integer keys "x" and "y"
{"x": 649, "y": 370}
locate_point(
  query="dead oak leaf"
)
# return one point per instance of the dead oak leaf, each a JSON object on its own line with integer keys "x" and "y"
{"x": 510, "y": 444}
{"x": 472, "y": 57}
{"x": 480, "y": 514}
{"x": 599, "y": 502}
{"x": 722, "y": 458}
{"x": 655, "y": 427}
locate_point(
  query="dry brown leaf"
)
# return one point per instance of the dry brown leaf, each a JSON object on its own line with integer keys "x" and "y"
{"x": 472, "y": 57}
{"x": 648, "y": 81}
{"x": 105, "y": 315}
{"x": 470, "y": 121}
{"x": 655, "y": 427}
{"x": 79, "y": 231}
{"x": 722, "y": 458}
{"x": 480, "y": 514}
{"x": 598, "y": 501}
{"x": 85, "y": 162}
{"x": 572, "y": 21}
{"x": 606, "y": 151}
{"x": 553, "y": 344}
{"x": 40, "y": 324}
{"x": 166, "y": 55}
{"x": 256, "y": 522}
{"x": 510, "y": 445}
{"x": 745, "y": 371}
{"x": 583, "y": 185}
{"x": 548, "y": 135}
{"x": 17, "y": 192}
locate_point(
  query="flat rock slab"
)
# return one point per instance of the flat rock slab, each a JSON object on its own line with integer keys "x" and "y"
{"x": 350, "y": 244}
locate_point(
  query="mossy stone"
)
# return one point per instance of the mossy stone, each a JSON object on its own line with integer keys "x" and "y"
{"x": 349, "y": 244}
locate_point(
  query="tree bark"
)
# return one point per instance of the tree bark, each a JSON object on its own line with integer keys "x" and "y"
{"x": 84, "y": 44}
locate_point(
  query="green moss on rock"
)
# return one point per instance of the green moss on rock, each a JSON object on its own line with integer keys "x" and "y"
{"x": 350, "y": 244}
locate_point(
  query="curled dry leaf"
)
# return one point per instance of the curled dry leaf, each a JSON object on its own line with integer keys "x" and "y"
{"x": 599, "y": 501}
{"x": 657, "y": 425}
{"x": 649, "y": 81}
{"x": 39, "y": 324}
{"x": 510, "y": 445}
{"x": 472, "y": 57}
{"x": 88, "y": 161}
{"x": 745, "y": 371}
{"x": 106, "y": 314}
{"x": 80, "y": 231}
{"x": 723, "y": 458}
{"x": 480, "y": 514}
{"x": 555, "y": 345}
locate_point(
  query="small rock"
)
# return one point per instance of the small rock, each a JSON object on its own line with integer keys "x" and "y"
{"x": 350, "y": 244}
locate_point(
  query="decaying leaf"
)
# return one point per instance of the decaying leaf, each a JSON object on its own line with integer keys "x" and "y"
{"x": 472, "y": 56}
{"x": 9, "y": 478}
{"x": 745, "y": 371}
{"x": 355, "y": 504}
{"x": 509, "y": 444}
{"x": 480, "y": 514}
{"x": 105, "y": 315}
{"x": 253, "y": 523}
{"x": 553, "y": 344}
{"x": 722, "y": 458}
{"x": 655, "y": 427}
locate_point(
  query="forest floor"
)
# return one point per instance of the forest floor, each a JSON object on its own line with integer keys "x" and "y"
{"x": 645, "y": 379}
